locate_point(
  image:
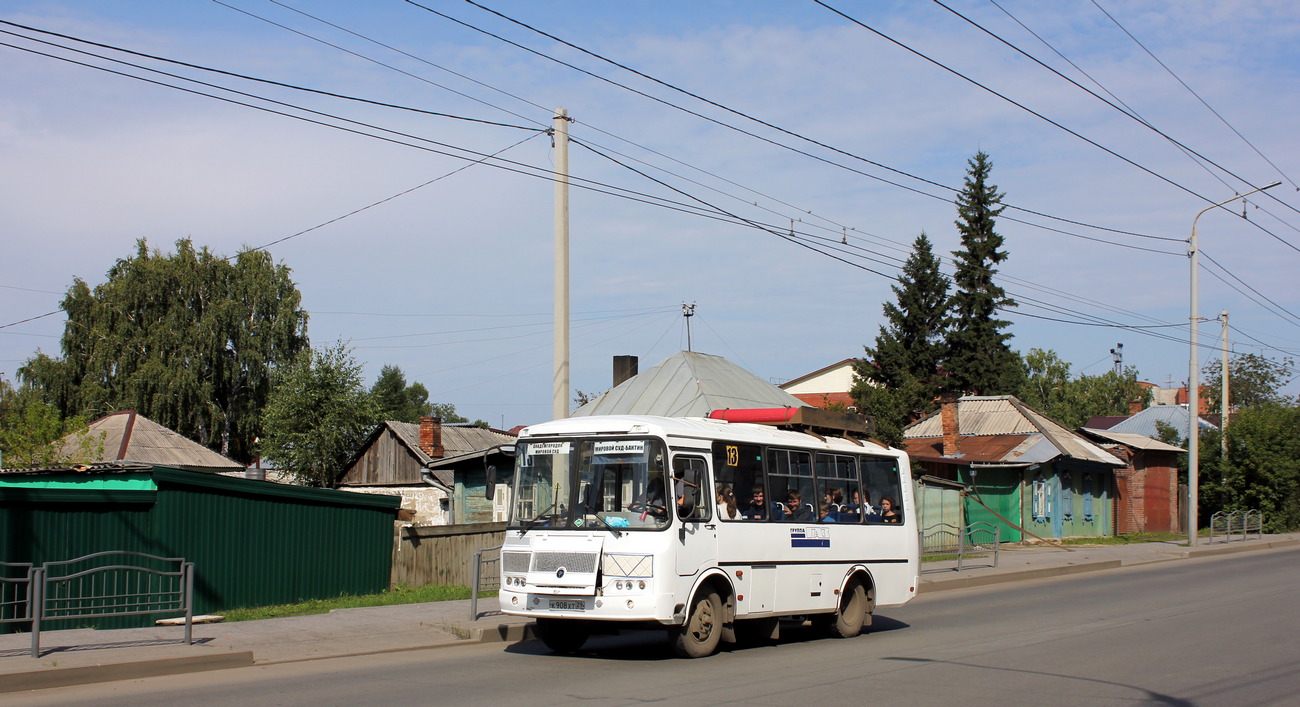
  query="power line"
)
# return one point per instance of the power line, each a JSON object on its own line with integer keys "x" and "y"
{"x": 1010, "y": 100}
{"x": 1198, "y": 97}
{"x": 740, "y": 114}
{"x": 1128, "y": 113}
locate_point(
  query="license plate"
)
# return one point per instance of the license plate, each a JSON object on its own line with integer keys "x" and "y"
{"x": 568, "y": 605}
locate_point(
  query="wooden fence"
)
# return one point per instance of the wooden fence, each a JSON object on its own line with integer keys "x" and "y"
{"x": 440, "y": 554}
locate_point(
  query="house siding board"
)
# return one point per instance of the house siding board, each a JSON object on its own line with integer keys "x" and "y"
{"x": 385, "y": 462}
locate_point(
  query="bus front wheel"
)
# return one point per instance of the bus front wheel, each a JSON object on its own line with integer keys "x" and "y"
{"x": 848, "y": 621}
{"x": 703, "y": 629}
{"x": 562, "y": 636}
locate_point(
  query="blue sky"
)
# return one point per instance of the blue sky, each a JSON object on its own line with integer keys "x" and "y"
{"x": 452, "y": 281}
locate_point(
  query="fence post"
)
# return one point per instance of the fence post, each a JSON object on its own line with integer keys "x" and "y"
{"x": 961, "y": 547}
{"x": 37, "y": 607}
{"x": 187, "y": 572}
{"x": 997, "y": 544}
{"x": 476, "y": 574}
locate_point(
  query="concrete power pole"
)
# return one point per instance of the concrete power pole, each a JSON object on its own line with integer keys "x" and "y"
{"x": 560, "y": 384}
{"x": 1223, "y": 397}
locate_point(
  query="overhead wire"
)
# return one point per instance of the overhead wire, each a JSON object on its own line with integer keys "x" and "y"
{"x": 1194, "y": 93}
{"x": 1129, "y": 113}
{"x": 743, "y": 115}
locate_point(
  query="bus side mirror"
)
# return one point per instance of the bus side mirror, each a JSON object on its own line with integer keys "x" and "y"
{"x": 490, "y": 488}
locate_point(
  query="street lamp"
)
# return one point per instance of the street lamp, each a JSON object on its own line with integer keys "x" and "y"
{"x": 1194, "y": 380}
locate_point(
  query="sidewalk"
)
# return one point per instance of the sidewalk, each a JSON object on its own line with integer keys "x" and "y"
{"x": 81, "y": 656}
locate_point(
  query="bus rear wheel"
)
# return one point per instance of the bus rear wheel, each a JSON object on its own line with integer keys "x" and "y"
{"x": 852, "y": 615}
{"x": 699, "y": 637}
{"x": 562, "y": 636}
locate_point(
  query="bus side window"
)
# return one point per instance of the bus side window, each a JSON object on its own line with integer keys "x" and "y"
{"x": 688, "y": 482}
{"x": 881, "y": 479}
{"x": 740, "y": 466}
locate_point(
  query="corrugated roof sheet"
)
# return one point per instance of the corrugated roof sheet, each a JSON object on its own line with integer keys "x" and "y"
{"x": 1144, "y": 422}
{"x": 689, "y": 384}
{"x": 456, "y": 439}
{"x": 1000, "y": 415}
{"x": 1135, "y": 441}
{"x": 130, "y": 437}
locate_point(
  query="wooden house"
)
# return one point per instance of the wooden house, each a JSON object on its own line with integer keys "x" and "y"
{"x": 439, "y": 470}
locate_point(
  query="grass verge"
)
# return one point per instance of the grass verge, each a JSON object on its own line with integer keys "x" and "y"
{"x": 397, "y": 595}
{"x": 1126, "y": 539}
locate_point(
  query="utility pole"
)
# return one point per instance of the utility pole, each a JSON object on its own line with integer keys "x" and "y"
{"x": 1223, "y": 399}
{"x": 1117, "y": 355}
{"x": 1194, "y": 374}
{"x": 560, "y": 384}
{"x": 688, "y": 311}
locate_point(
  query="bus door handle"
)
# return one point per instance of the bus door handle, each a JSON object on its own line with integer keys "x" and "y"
{"x": 710, "y": 526}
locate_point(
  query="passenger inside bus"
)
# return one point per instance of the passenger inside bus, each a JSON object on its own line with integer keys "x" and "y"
{"x": 727, "y": 504}
{"x": 827, "y": 515}
{"x": 887, "y": 512}
{"x": 757, "y": 507}
{"x": 795, "y": 509}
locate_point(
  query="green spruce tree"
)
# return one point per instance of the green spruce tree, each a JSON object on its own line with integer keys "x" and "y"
{"x": 397, "y": 400}
{"x": 899, "y": 378}
{"x": 979, "y": 360}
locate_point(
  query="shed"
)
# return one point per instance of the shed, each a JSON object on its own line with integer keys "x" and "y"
{"x": 1024, "y": 469}
{"x": 129, "y": 437}
{"x": 439, "y": 470}
{"x": 253, "y": 543}
{"x": 1147, "y": 498}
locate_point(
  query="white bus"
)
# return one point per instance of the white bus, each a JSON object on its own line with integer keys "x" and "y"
{"x": 708, "y": 528}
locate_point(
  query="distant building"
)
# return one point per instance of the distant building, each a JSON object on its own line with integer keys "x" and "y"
{"x": 130, "y": 437}
{"x": 439, "y": 470}
{"x": 829, "y": 387}
{"x": 689, "y": 384}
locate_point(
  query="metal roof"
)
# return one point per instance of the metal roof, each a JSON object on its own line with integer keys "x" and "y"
{"x": 456, "y": 439}
{"x": 1001, "y": 415}
{"x": 131, "y": 437}
{"x": 689, "y": 384}
{"x": 1144, "y": 422}
{"x": 1135, "y": 441}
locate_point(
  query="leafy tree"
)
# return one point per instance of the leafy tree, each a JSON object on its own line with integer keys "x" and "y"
{"x": 1049, "y": 388}
{"x": 447, "y": 413}
{"x": 979, "y": 359}
{"x": 397, "y": 400}
{"x": 189, "y": 340}
{"x": 1253, "y": 380}
{"x": 318, "y": 415}
{"x": 1262, "y": 468}
{"x": 900, "y": 378}
{"x": 32, "y": 433}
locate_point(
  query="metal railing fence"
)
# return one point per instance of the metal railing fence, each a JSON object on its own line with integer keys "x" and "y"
{"x": 486, "y": 574}
{"x": 1228, "y": 523}
{"x": 943, "y": 539}
{"x": 93, "y": 586}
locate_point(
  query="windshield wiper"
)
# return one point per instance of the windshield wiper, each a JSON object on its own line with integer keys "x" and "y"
{"x": 532, "y": 523}
{"x": 596, "y": 514}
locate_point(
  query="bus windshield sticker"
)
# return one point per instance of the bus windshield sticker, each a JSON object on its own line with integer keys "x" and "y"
{"x": 624, "y": 447}
{"x": 548, "y": 448}
{"x": 810, "y": 537}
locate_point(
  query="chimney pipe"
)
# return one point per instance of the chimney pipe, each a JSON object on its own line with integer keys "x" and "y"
{"x": 431, "y": 437}
{"x": 951, "y": 431}
{"x": 624, "y": 367}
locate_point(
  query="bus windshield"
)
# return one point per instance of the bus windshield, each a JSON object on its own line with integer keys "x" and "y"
{"x": 588, "y": 483}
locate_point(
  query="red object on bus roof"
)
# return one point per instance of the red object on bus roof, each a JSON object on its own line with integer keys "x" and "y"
{"x": 760, "y": 415}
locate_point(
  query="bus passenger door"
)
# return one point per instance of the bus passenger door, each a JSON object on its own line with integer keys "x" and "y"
{"x": 697, "y": 536}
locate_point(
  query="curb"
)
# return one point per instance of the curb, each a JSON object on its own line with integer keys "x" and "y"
{"x": 132, "y": 670}
{"x": 931, "y": 586}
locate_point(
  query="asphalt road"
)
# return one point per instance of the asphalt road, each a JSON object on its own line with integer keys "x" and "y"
{"x": 1221, "y": 631}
